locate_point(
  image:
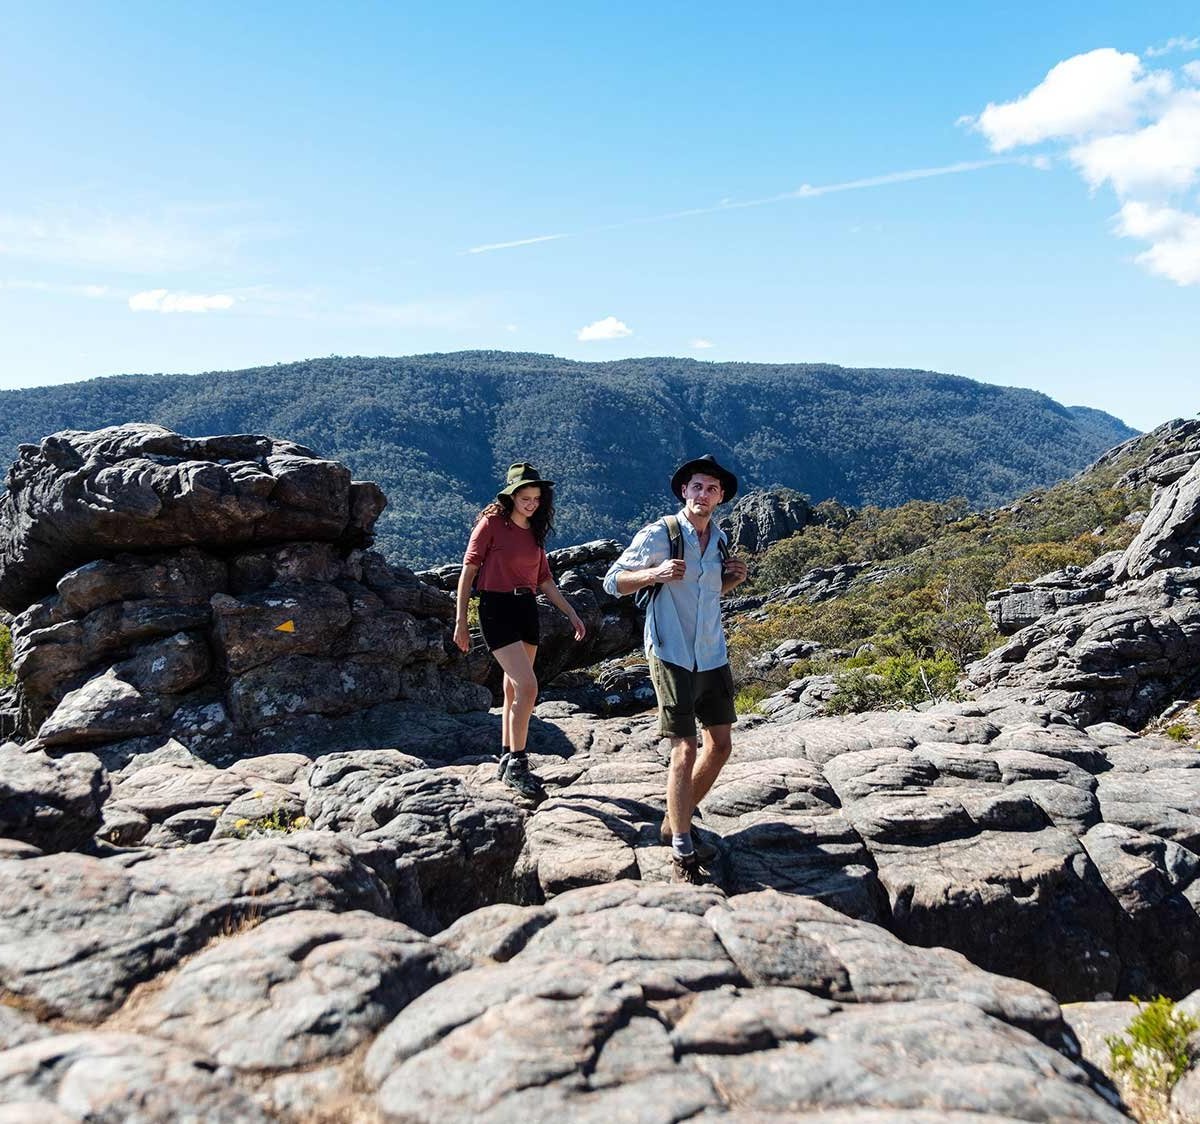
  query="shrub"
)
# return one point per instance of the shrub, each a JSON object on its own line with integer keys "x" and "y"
{"x": 1154, "y": 1052}
{"x": 903, "y": 680}
{"x": 6, "y": 672}
{"x": 747, "y": 699}
{"x": 1178, "y": 731}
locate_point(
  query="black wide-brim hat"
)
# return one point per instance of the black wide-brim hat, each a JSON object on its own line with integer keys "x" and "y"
{"x": 519, "y": 475}
{"x": 709, "y": 467}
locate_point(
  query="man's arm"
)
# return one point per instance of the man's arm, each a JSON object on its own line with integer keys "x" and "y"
{"x": 646, "y": 561}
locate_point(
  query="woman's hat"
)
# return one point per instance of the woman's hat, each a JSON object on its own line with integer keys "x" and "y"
{"x": 519, "y": 475}
{"x": 709, "y": 467}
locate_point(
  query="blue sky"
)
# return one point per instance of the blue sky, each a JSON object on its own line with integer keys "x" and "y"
{"x": 201, "y": 187}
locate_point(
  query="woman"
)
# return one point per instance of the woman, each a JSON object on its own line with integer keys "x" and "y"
{"x": 507, "y": 552}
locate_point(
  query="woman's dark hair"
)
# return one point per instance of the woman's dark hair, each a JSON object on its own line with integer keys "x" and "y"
{"x": 542, "y": 523}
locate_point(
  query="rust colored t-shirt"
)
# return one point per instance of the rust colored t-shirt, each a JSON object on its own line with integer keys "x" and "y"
{"x": 508, "y": 556}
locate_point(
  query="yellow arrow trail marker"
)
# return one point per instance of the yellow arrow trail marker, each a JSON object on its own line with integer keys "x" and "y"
{"x": 287, "y": 626}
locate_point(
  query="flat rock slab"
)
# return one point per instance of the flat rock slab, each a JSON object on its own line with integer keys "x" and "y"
{"x": 51, "y": 802}
{"x": 80, "y": 932}
{"x": 302, "y": 988}
{"x": 815, "y": 1017}
{"x": 107, "y": 1076}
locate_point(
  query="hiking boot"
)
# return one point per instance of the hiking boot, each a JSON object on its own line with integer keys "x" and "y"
{"x": 502, "y": 765}
{"x": 705, "y": 852}
{"x": 518, "y": 777}
{"x": 686, "y": 868}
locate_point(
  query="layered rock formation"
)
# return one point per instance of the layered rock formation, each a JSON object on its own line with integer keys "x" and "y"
{"x": 1120, "y": 639}
{"x": 759, "y": 519}
{"x": 250, "y": 615}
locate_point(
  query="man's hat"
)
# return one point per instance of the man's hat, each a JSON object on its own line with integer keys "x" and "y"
{"x": 519, "y": 475}
{"x": 709, "y": 467}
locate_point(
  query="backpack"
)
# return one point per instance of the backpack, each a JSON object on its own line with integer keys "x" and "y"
{"x": 644, "y": 596}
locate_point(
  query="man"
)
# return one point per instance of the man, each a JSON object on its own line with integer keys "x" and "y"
{"x": 685, "y": 645}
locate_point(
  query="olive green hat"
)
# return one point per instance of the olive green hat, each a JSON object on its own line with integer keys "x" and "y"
{"x": 709, "y": 467}
{"x": 519, "y": 475}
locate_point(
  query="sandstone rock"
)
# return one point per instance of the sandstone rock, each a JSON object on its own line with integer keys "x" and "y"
{"x": 297, "y": 989}
{"x": 80, "y": 932}
{"x": 79, "y": 496}
{"x": 53, "y": 803}
{"x": 102, "y": 1076}
{"x": 105, "y": 709}
{"x": 759, "y": 519}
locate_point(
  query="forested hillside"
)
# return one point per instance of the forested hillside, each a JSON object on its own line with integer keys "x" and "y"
{"x": 437, "y": 431}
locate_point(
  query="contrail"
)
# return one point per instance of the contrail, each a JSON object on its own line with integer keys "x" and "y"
{"x": 805, "y": 191}
{"x": 509, "y": 245}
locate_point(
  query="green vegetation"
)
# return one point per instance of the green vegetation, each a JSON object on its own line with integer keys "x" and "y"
{"x": 437, "y": 431}
{"x": 280, "y": 821}
{"x": 1178, "y": 731}
{"x": 6, "y": 672}
{"x": 1155, "y": 1050}
{"x": 916, "y": 617}
{"x": 747, "y": 699}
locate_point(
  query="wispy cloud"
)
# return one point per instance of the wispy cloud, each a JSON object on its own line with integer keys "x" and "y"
{"x": 804, "y": 191}
{"x": 509, "y": 245}
{"x": 172, "y": 239}
{"x": 701, "y": 344}
{"x": 162, "y": 300}
{"x": 610, "y": 328}
{"x": 1178, "y": 43}
{"x": 1122, "y": 126}
{"x": 93, "y": 292}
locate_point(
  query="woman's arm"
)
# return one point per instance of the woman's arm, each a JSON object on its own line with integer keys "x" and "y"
{"x": 462, "y": 634}
{"x": 552, "y": 594}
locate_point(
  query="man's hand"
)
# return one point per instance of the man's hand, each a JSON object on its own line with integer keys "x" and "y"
{"x": 733, "y": 573}
{"x": 669, "y": 571}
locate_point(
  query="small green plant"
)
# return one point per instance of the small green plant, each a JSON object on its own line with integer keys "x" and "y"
{"x": 902, "y": 680}
{"x": 1178, "y": 731}
{"x": 1154, "y": 1051}
{"x": 280, "y": 821}
{"x": 6, "y": 672}
{"x": 747, "y": 699}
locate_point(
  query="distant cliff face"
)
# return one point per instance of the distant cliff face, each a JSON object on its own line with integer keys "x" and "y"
{"x": 437, "y": 431}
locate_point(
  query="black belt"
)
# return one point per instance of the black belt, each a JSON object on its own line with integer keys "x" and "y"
{"x": 519, "y": 591}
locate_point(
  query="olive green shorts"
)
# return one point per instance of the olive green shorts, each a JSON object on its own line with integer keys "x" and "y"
{"x": 685, "y": 695}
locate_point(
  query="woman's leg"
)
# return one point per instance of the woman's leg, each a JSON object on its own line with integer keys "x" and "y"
{"x": 510, "y": 691}
{"x": 516, "y": 659}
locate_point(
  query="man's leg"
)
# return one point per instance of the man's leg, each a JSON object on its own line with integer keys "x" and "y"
{"x": 679, "y": 785}
{"x": 715, "y": 747}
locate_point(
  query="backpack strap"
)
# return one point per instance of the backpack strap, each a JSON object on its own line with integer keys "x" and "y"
{"x": 675, "y": 534}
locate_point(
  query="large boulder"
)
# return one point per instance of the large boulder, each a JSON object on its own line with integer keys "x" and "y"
{"x": 759, "y": 519}
{"x": 78, "y": 496}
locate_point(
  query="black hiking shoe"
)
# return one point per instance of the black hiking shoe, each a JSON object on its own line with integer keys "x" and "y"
{"x": 517, "y": 776}
{"x": 502, "y": 765}
{"x": 705, "y": 852}
{"x": 686, "y": 869}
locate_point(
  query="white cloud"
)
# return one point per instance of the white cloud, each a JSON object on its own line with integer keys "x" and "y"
{"x": 93, "y": 292}
{"x": 1178, "y": 43}
{"x": 175, "y": 238}
{"x": 701, "y": 344}
{"x": 1162, "y": 157}
{"x": 1174, "y": 236}
{"x": 161, "y": 300}
{"x": 610, "y": 328}
{"x": 511, "y": 328}
{"x": 1192, "y": 71}
{"x": 1100, "y": 91}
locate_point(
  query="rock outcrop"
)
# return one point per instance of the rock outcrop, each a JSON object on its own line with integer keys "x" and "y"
{"x": 1120, "y": 639}
{"x": 250, "y": 613}
{"x": 759, "y": 519}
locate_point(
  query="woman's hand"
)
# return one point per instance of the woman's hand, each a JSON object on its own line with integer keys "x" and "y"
{"x": 577, "y": 625}
{"x": 462, "y": 636}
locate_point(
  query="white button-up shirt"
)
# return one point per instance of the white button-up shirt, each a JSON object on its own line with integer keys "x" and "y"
{"x": 683, "y": 623}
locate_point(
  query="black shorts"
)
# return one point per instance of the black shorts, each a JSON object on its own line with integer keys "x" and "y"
{"x": 506, "y": 618}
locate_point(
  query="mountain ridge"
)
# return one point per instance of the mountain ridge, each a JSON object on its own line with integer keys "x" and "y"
{"x": 438, "y": 430}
